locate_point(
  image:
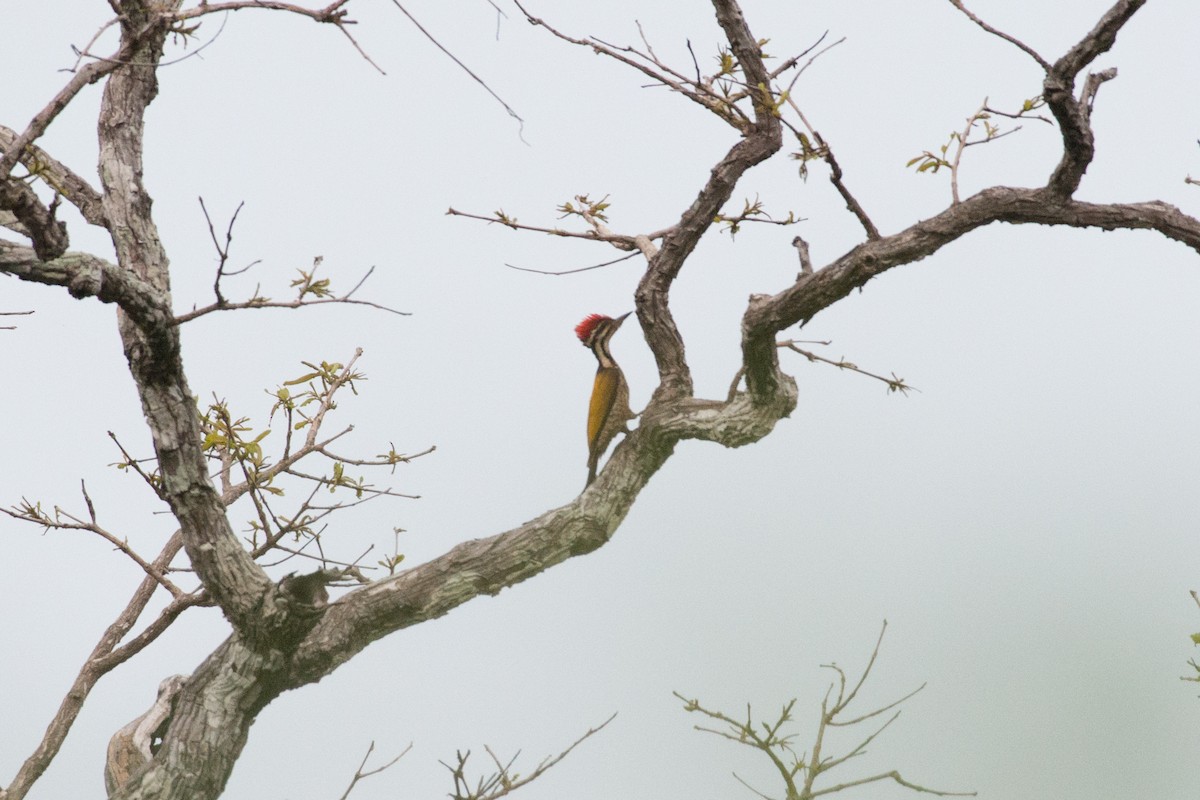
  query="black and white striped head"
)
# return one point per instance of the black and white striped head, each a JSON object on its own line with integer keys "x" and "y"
{"x": 597, "y": 328}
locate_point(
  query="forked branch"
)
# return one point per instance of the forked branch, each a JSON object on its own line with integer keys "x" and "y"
{"x": 798, "y": 773}
{"x": 505, "y": 780}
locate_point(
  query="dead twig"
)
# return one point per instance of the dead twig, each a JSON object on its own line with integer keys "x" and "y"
{"x": 573, "y": 271}
{"x": 359, "y": 774}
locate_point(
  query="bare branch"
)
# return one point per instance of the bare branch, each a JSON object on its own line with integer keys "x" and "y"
{"x": 12, "y": 314}
{"x": 1074, "y": 116}
{"x": 84, "y": 275}
{"x": 894, "y": 383}
{"x": 696, "y": 91}
{"x": 103, "y": 658}
{"x": 811, "y": 294}
{"x": 573, "y": 271}
{"x": 302, "y": 301}
{"x": 1026, "y": 48}
{"x": 761, "y": 140}
{"x": 77, "y": 191}
{"x": 621, "y": 242}
{"x": 895, "y": 776}
{"x": 222, "y": 250}
{"x": 768, "y": 739}
{"x": 132, "y": 463}
{"x": 359, "y": 774}
{"x": 334, "y": 13}
{"x": 504, "y": 781}
{"x": 837, "y": 179}
{"x": 37, "y": 221}
{"x": 1099, "y": 39}
{"x": 466, "y": 69}
{"x": 84, "y": 77}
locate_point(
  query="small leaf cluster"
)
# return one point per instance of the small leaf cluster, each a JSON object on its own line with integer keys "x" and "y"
{"x": 235, "y": 439}
{"x": 931, "y": 162}
{"x": 504, "y": 219}
{"x": 587, "y": 209}
{"x": 293, "y": 403}
{"x": 308, "y": 284}
{"x": 751, "y": 212}
{"x": 808, "y": 152}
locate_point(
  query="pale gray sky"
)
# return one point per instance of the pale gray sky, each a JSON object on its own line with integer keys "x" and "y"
{"x": 1027, "y": 522}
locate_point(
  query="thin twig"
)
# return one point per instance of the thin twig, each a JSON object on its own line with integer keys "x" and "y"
{"x": 1029, "y": 50}
{"x": 27, "y": 313}
{"x": 573, "y": 271}
{"x": 330, "y": 13}
{"x": 466, "y": 69}
{"x": 503, "y": 781}
{"x": 894, "y": 383}
{"x": 661, "y": 73}
{"x": 359, "y": 774}
{"x": 299, "y": 302}
{"x": 620, "y": 241}
{"x": 84, "y": 77}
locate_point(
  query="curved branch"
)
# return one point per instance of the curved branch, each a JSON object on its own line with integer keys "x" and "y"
{"x": 85, "y": 275}
{"x": 84, "y": 77}
{"x": 760, "y": 141}
{"x": 813, "y": 293}
{"x": 49, "y": 236}
{"x": 1001, "y": 34}
{"x": 237, "y": 584}
{"x": 487, "y": 566}
{"x": 1099, "y": 39}
{"x": 1074, "y": 115}
{"x": 58, "y": 177}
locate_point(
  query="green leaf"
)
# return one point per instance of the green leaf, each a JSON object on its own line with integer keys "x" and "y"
{"x": 302, "y": 379}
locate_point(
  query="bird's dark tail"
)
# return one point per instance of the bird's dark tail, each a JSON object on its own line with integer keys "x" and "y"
{"x": 591, "y": 472}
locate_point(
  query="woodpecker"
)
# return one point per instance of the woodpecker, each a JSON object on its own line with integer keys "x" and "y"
{"x": 609, "y": 409}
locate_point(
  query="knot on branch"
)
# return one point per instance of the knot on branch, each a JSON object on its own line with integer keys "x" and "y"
{"x": 294, "y": 606}
{"x": 329, "y": 15}
{"x": 86, "y": 280}
{"x": 308, "y": 591}
{"x": 47, "y": 233}
{"x": 132, "y": 747}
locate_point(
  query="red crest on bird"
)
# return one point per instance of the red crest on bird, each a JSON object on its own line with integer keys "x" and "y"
{"x": 584, "y": 329}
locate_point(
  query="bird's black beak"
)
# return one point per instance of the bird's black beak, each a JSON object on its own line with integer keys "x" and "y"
{"x": 619, "y": 320}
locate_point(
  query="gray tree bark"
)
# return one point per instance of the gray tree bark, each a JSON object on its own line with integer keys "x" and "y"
{"x": 283, "y": 635}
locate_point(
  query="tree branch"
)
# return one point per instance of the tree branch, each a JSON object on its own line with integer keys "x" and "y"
{"x": 1017, "y": 42}
{"x": 799, "y": 303}
{"x": 760, "y": 141}
{"x": 98, "y": 663}
{"x": 58, "y": 177}
{"x": 235, "y": 581}
{"x": 85, "y": 275}
{"x": 1099, "y": 40}
{"x": 84, "y": 77}
{"x": 1073, "y": 115}
{"x": 333, "y": 13}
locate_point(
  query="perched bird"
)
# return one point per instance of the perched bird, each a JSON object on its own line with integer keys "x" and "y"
{"x": 609, "y": 408}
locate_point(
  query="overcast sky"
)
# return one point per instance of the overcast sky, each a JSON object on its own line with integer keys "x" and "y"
{"x": 1026, "y": 522}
